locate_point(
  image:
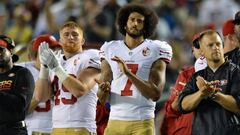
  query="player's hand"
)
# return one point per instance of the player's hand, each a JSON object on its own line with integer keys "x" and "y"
{"x": 47, "y": 56}
{"x": 121, "y": 64}
{"x": 103, "y": 86}
{"x": 42, "y": 53}
{"x": 52, "y": 60}
{"x": 58, "y": 54}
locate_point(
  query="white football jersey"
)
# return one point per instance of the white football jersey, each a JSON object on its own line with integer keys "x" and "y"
{"x": 69, "y": 111}
{"x": 200, "y": 63}
{"x": 41, "y": 118}
{"x": 127, "y": 103}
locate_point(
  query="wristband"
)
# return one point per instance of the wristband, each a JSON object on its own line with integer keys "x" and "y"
{"x": 61, "y": 73}
{"x": 44, "y": 72}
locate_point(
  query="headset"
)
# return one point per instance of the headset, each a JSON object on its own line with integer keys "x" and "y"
{"x": 196, "y": 43}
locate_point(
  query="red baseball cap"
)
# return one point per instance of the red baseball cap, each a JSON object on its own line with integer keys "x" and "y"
{"x": 7, "y": 42}
{"x": 47, "y": 38}
{"x": 228, "y": 27}
{"x": 3, "y": 44}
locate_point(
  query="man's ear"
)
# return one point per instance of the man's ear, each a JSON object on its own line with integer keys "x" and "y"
{"x": 83, "y": 41}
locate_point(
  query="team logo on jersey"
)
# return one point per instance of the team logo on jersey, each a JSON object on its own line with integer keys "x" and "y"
{"x": 6, "y": 85}
{"x": 223, "y": 82}
{"x": 146, "y": 51}
{"x": 76, "y": 62}
{"x": 11, "y": 75}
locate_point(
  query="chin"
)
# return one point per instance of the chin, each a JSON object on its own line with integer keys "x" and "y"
{"x": 70, "y": 44}
{"x": 71, "y": 50}
{"x": 135, "y": 35}
{"x": 216, "y": 60}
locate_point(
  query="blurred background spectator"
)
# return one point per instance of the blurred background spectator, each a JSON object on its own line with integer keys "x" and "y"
{"x": 97, "y": 23}
{"x": 3, "y": 17}
{"x": 20, "y": 29}
{"x": 54, "y": 13}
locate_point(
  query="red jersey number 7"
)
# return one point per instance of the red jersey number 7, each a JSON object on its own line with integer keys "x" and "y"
{"x": 127, "y": 91}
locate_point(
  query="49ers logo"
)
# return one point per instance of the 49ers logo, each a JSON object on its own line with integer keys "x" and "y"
{"x": 5, "y": 85}
{"x": 146, "y": 51}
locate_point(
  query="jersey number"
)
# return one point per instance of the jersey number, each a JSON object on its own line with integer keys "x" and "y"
{"x": 65, "y": 101}
{"x": 127, "y": 91}
{"x": 44, "y": 109}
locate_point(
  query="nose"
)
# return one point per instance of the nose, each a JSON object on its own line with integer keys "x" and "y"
{"x": 135, "y": 23}
{"x": 216, "y": 46}
{"x": 70, "y": 36}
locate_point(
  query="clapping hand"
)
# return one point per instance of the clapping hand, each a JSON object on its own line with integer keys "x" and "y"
{"x": 207, "y": 88}
{"x": 47, "y": 56}
{"x": 121, "y": 64}
{"x": 103, "y": 86}
{"x": 42, "y": 51}
{"x": 104, "y": 89}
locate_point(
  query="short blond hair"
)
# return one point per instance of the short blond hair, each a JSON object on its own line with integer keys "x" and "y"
{"x": 71, "y": 24}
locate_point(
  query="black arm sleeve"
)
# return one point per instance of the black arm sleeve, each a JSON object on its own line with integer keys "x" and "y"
{"x": 235, "y": 87}
{"x": 189, "y": 89}
{"x": 19, "y": 97}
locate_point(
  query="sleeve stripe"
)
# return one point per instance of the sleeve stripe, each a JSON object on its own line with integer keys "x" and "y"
{"x": 165, "y": 60}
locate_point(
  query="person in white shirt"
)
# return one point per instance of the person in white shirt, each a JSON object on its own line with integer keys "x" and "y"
{"x": 133, "y": 72}
{"x": 39, "y": 118}
{"x": 75, "y": 98}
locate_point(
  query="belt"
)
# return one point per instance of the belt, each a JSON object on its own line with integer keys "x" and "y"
{"x": 19, "y": 124}
{"x": 39, "y": 133}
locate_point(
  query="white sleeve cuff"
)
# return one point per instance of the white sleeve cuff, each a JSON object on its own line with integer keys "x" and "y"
{"x": 44, "y": 72}
{"x": 61, "y": 73}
